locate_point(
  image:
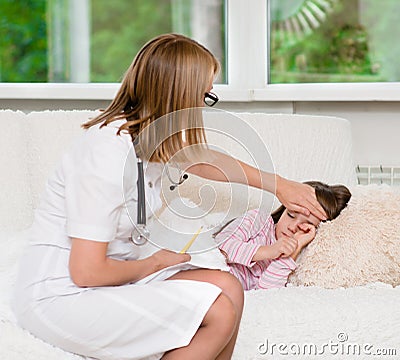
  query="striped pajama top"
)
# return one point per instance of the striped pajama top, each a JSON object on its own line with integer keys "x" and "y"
{"x": 240, "y": 240}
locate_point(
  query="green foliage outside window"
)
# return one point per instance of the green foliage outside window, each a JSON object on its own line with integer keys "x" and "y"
{"x": 23, "y": 41}
{"x": 354, "y": 43}
{"x": 119, "y": 30}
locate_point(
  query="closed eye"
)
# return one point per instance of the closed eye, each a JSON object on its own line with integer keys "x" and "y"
{"x": 290, "y": 215}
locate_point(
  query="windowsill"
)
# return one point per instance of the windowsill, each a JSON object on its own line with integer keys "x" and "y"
{"x": 329, "y": 92}
{"x": 276, "y": 92}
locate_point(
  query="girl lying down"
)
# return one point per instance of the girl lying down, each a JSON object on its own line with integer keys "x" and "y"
{"x": 261, "y": 249}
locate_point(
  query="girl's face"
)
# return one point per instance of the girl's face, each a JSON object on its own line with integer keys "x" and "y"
{"x": 289, "y": 222}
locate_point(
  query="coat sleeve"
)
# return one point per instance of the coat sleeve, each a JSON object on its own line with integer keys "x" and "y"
{"x": 94, "y": 189}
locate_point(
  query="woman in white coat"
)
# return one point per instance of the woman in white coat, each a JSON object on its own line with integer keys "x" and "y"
{"x": 77, "y": 286}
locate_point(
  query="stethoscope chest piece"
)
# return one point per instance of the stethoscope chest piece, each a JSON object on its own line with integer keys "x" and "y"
{"x": 140, "y": 234}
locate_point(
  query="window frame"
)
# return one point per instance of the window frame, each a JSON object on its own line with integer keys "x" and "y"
{"x": 247, "y": 48}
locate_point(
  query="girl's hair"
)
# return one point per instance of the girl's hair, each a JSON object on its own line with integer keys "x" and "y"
{"x": 333, "y": 199}
{"x": 170, "y": 73}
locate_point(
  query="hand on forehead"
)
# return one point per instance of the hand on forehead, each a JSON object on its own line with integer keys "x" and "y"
{"x": 301, "y": 218}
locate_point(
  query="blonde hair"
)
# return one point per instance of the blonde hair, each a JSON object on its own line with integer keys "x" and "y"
{"x": 170, "y": 73}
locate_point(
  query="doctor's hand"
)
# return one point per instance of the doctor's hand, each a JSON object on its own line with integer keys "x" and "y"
{"x": 298, "y": 197}
{"x": 165, "y": 258}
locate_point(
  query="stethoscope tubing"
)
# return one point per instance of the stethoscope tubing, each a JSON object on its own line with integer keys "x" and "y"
{"x": 141, "y": 215}
{"x": 140, "y": 234}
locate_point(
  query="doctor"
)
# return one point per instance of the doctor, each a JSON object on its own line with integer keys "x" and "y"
{"x": 76, "y": 285}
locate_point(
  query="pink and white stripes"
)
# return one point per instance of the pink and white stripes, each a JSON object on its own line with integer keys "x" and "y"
{"x": 240, "y": 241}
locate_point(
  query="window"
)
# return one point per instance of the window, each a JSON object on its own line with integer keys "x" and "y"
{"x": 83, "y": 41}
{"x": 322, "y": 41}
{"x": 270, "y": 50}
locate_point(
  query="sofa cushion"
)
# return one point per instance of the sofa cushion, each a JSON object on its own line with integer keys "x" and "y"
{"x": 299, "y": 147}
{"x": 307, "y": 147}
{"x": 49, "y": 136}
{"x": 15, "y": 200}
{"x": 362, "y": 245}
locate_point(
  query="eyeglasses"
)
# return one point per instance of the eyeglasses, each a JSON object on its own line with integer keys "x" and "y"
{"x": 210, "y": 99}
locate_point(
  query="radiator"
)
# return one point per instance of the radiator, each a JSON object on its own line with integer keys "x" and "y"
{"x": 378, "y": 174}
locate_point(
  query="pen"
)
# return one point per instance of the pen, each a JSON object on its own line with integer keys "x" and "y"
{"x": 190, "y": 242}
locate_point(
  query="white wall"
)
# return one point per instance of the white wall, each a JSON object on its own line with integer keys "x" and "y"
{"x": 376, "y": 125}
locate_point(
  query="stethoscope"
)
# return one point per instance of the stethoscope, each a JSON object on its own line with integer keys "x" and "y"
{"x": 141, "y": 234}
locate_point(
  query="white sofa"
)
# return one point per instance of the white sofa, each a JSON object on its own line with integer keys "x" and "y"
{"x": 291, "y": 322}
